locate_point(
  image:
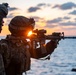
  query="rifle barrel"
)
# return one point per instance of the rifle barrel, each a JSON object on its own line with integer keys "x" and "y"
{"x": 48, "y": 37}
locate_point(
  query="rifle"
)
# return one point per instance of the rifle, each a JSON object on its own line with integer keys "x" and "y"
{"x": 39, "y": 36}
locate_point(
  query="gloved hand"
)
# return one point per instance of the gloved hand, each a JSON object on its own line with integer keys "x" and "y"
{"x": 50, "y": 46}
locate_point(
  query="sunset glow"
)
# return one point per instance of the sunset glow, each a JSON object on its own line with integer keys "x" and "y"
{"x": 52, "y": 15}
{"x": 30, "y": 33}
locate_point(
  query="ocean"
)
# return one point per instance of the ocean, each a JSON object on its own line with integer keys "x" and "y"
{"x": 61, "y": 62}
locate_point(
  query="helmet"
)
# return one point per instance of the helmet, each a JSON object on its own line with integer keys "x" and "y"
{"x": 4, "y": 9}
{"x": 20, "y": 25}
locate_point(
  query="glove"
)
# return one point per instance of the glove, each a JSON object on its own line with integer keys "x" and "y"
{"x": 50, "y": 46}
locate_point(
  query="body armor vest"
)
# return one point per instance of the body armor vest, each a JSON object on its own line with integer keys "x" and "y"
{"x": 16, "y": 49}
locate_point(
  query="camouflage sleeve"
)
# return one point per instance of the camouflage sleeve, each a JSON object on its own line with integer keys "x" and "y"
{"x": 40, "y": 53}
{"x": 2, "y": 69}
{"x": 5, "y": 53}
{"x": 3, "y": 48}
{"x": 1, "y": 51}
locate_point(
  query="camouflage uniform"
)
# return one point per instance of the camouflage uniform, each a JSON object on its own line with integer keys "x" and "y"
{"x": 3, "y": 13}
{"x": 16, "y": 51}
{"x": 15, "y": 55}
{"x": 2, "y": 70}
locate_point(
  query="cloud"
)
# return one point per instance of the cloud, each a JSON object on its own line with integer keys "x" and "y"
{"x": 36, "y": 18}
{"x": 75, "y": 19}
{"x": 73, "y": 13}
{"x": 60, "y": 21}
{"x": 38, "y": 7}
{"x": 57, "y": 20}
{"x": 65, "y": 17}
{"x": 56, "y": 6}
{"x": 33, "y": 9}
{"x": 43, "y": 4}
{"x": 10, "y": 15}
{"x": 65, "y": 6}
{"x": 68, "y": 23}
{"x": 13, "y": 8}
{"x": 51, "y": 25}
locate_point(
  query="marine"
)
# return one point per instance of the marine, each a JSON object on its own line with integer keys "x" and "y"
{"x": 17, "y": 51}
{"x": 3, "y": 14}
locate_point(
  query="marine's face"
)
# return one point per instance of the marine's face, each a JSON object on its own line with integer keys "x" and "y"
{"x": 1, "y": 24}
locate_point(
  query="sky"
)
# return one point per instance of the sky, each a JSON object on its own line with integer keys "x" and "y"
{"x": 51, "y": 15}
